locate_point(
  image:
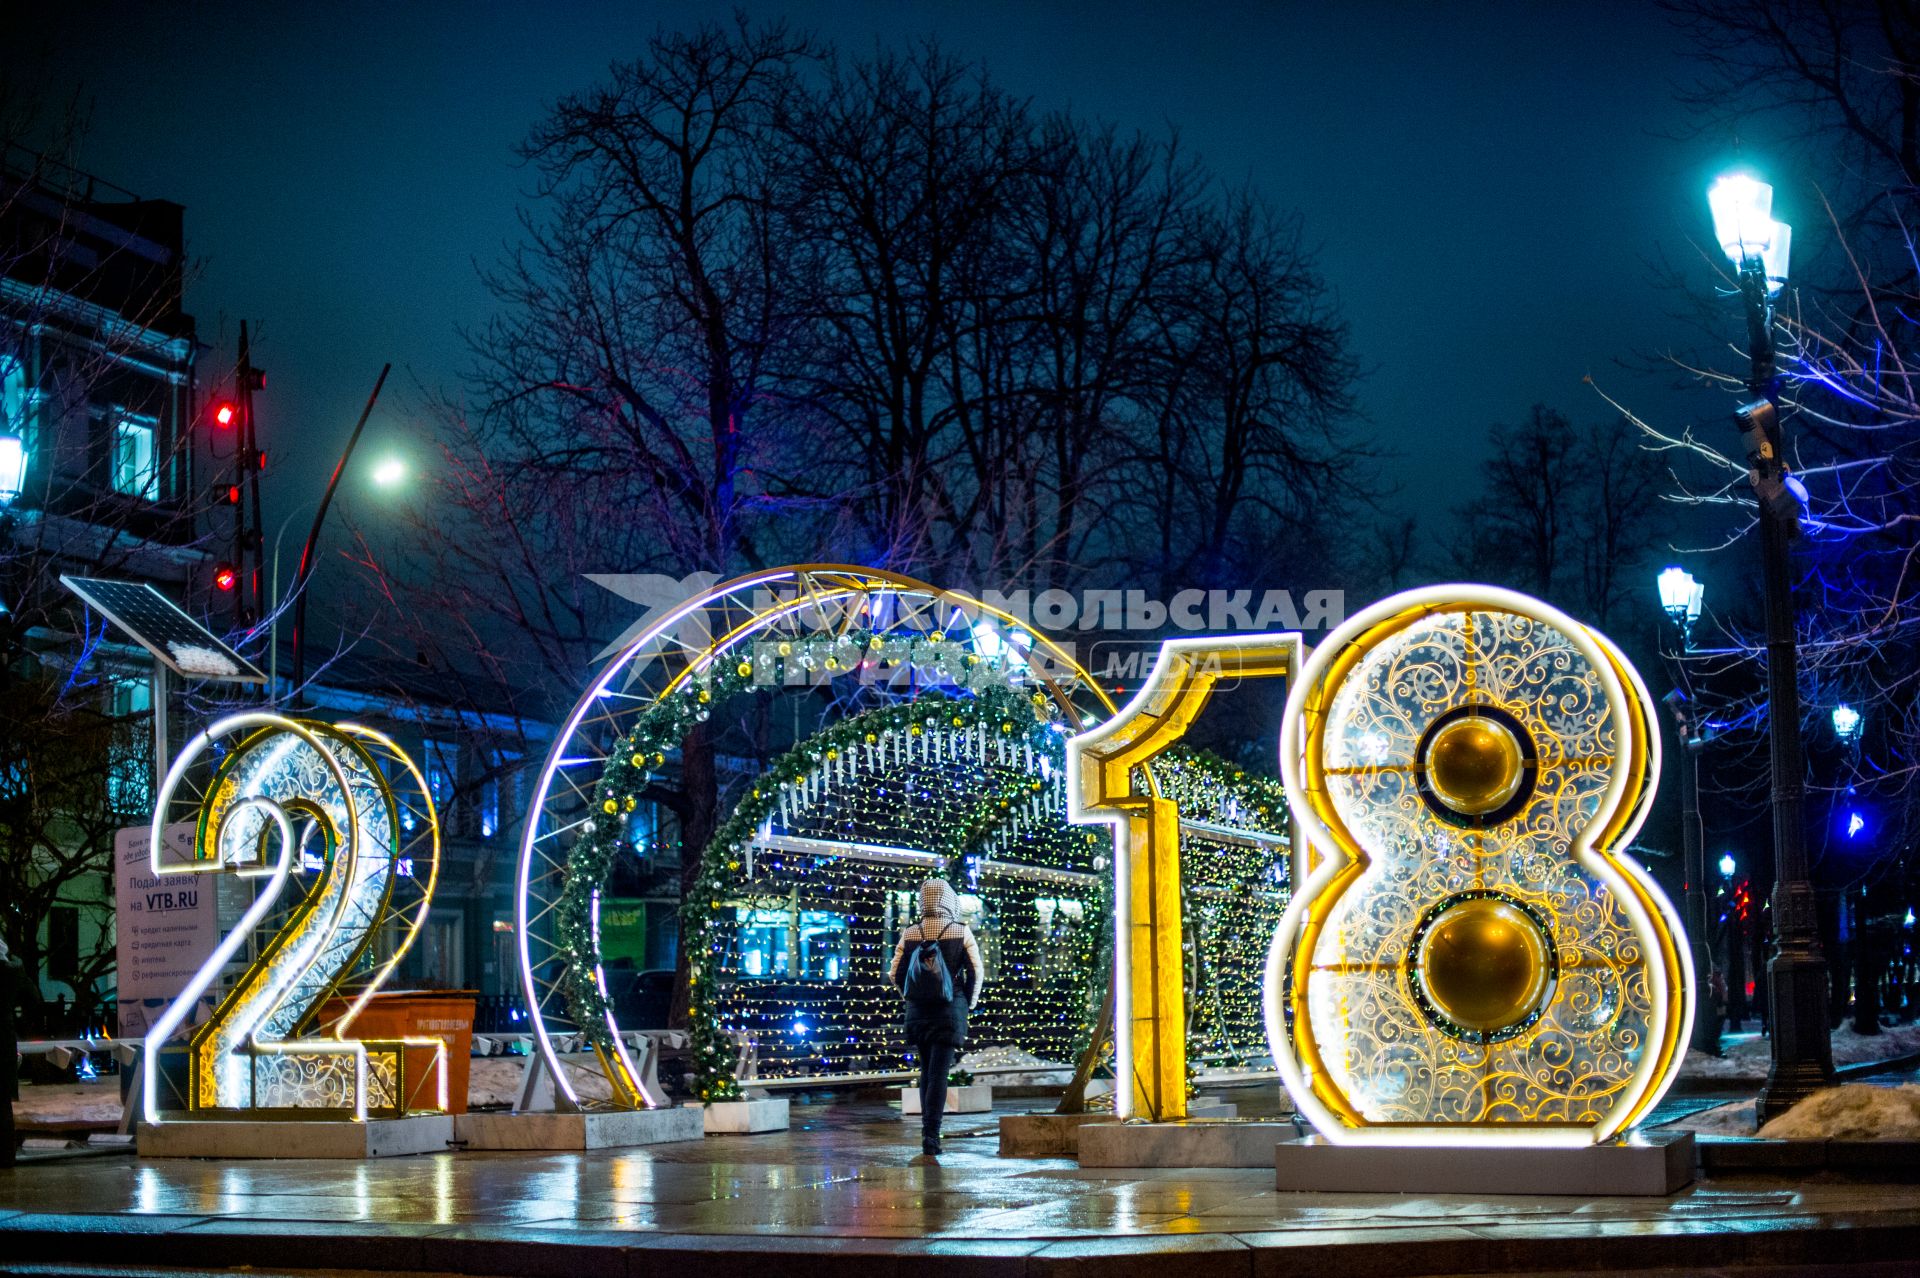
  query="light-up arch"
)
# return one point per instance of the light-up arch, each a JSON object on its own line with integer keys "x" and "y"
{"x": 922, "y": 636}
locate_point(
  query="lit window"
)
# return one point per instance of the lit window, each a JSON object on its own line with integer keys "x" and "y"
{"x": 128, "y": 783}
{"x": 643, "y": 830}
{"x": 440, "y": 757}
{"x": 826, "y": 945}
{"x": 762, "y": 941}
{"x": 136, "y": 470}
{"x": 775, "y": 941}
{"x": 1061, "y": 934}
{"x": 489, "y": 807}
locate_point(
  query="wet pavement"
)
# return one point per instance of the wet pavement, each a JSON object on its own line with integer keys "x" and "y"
{"x": 840, "y": 1180}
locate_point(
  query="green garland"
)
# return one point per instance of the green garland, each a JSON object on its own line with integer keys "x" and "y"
{"x": 1193, "y": 778}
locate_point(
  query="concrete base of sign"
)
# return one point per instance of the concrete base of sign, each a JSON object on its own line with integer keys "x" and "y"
{"x": 1193, "y": 1142}
{"x": 1044, "y": 1135}
{"x": 294, "y": 1138}
{"x": 976, "y": 1098}
{"x": 744, "y": 1117}
{"x": 602, "y": 1129}
{"x": 1654, "y": 1164}
{"x": 1210, "y": 1107}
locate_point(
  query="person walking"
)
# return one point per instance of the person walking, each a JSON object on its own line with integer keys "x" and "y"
{"x": 938, "y": 971}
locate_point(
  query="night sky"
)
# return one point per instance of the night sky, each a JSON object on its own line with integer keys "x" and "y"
{"x": 1487, "y": 184}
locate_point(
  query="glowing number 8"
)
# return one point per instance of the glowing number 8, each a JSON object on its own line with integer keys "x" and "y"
{"x": 264, "y": 1048}
{"x": 1473, "y": 959}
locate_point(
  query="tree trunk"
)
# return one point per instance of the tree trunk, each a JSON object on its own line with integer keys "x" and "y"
{"x": 698, "y": 818}
{"x": 1074, "y": 1100}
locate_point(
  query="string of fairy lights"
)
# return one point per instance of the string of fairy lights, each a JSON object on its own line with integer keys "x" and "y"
{"x": 1234, "y": 891}
{"x": 800, "y": 1029}
{"x": 803, "y": 889}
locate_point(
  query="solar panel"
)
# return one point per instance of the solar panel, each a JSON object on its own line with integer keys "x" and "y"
{"x": 157, "y": 624}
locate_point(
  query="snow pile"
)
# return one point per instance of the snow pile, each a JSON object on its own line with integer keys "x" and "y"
{"x": 1852, "y": 1111}
{"x": 1746, "y": 1056}
{"x": 194, "y": 659}
{"x": 69, "y": 1103}
{"x": 495, "y": 1080}
{"x": 1006, "y": 1060}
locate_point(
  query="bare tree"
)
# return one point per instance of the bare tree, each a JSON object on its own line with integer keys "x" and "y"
{"x": 768, "y": 300}
{"x": 1571, "y": 514}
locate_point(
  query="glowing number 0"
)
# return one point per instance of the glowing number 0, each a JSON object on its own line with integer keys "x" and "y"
{"x": 263, "y": 1049}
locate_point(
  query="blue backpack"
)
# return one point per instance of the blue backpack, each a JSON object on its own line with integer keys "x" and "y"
{"x": 928, "y": 980}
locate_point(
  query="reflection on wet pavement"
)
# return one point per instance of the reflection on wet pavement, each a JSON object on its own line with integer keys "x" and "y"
{"x": 843, "y": 1172}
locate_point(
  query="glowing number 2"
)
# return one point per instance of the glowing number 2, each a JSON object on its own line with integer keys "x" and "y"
{"x": 263, "y": 1048}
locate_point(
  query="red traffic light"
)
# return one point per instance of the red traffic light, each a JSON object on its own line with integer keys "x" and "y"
{"x": 225, "y": 413}
{"x": 225, "y": 578}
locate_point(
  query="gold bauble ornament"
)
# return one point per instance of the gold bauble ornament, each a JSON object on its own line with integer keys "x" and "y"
{"x": 1484, "y": 964}
{"x": 1475, "y": 765}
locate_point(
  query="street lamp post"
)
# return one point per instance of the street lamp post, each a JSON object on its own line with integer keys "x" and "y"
{"x": 1681, "y": 598}
{"x": 1736, "y": 945}
{"x": 1797, "y": 974}
{"x": 299, "y": 587}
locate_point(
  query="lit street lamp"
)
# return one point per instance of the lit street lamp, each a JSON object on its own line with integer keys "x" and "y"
{"x": 1728, "y": 865}
{"x": 1848, "y": 723}
{"x": 389, "y": 472}
{"x": 1681, "y": 598}
{"x": 13, "y": 469}
{"x": 1758, "y": 246}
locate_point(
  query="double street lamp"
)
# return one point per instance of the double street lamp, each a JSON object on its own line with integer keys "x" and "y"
{"x": 1681, "y": 597}
{"x": 1758, "y": 246}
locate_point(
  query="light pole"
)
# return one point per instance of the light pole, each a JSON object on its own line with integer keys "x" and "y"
{"x": 1802, "y": 1062}
{"x": 299, "y": 587}
{"x": 1736, "y": 945}
{"x": 1681, "y": 598}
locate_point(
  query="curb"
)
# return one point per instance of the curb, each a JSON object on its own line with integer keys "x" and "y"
{"x": 201, "y": 1244}
{"x": 1894, "y": 1161}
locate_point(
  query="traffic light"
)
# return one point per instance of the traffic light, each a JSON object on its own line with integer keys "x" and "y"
{"x": 225, "y": 578}
{"x": 225, "y": 414}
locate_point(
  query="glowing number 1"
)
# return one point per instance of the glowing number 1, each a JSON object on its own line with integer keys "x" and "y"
{"x": 263, "y": 1049}
{"x": 1106, "y": 769}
